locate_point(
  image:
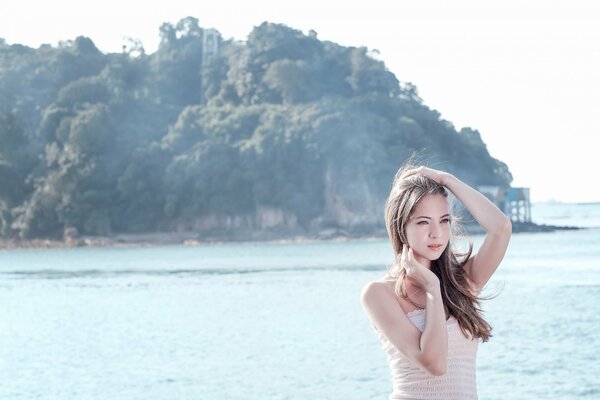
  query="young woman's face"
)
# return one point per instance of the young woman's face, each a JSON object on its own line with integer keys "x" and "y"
{"x": 428, "y": 226}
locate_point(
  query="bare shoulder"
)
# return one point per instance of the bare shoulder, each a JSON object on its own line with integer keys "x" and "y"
{"x": 376, "y": 291}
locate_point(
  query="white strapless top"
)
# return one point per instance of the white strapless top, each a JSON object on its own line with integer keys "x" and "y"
{"x": 411, "y": 382}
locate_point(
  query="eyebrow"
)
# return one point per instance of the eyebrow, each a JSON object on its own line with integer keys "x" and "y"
{"x": 422, "y": 216}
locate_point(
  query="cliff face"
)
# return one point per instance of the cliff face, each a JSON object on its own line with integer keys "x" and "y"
{"x": 350, "y": 207}
{"x": 265, "y": 218}
{"x": 350, "y": 204}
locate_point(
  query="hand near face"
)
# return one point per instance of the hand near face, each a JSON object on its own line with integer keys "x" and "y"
{"x": 418, "y": 274}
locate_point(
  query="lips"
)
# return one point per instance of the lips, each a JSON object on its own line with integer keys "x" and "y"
{"x": 435, "y": 246}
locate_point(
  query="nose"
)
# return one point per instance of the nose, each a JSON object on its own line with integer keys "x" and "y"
{"x": 434, "y": 232}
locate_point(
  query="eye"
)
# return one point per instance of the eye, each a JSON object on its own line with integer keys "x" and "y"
{"x": 421, "y": 222}
{"x": 446, "y": 220}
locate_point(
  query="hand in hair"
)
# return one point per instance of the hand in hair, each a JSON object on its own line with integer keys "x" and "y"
{"x": 418, "y": 274}
{"x": 436, "y": 175}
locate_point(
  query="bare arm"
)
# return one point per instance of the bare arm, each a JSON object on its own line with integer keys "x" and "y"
{"x": 434, "y": 338}
{"x": 480, "y": 267}
{"x": 429, "y": 349}
{"x": 496, "y": 224}
{"x": 491, "y": 219}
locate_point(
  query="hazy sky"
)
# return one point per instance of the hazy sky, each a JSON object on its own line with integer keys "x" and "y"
{"x": 526, "y": 74}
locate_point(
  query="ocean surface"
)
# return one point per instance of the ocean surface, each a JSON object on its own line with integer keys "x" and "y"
{"x": 282, "y": 320}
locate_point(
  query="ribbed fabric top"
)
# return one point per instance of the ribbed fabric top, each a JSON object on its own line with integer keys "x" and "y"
{"x": 411, "y": 382}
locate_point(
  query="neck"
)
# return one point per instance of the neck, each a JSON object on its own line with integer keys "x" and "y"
{"x": 409, "y": 287}
{"x": 412, "y": 293}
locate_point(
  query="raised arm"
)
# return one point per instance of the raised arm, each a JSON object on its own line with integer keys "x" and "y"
{"x": 496, "y": 224}
{"x": 428, "y": 349}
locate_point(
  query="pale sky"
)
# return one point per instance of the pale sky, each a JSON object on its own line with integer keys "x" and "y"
{"x": 526, "y": 74}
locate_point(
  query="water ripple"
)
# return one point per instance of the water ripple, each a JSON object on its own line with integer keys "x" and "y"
{"x": 95, "y": 273}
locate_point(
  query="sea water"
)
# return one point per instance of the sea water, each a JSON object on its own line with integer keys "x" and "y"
{"x": 281, "y": 320}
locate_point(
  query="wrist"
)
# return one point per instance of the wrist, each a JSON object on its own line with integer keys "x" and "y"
{"x": 433, "y": 288}
{"x": 433, "y": 298}
{"x": 446, "y": 178}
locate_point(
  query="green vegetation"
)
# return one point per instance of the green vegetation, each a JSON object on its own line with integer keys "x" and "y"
{"x": 283, "y": 132}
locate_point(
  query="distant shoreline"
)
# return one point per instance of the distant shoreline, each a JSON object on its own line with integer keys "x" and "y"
{"x": 562, "y": 203}
{"x": 194, "y": 238}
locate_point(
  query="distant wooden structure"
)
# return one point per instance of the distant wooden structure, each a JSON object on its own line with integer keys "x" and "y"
{"x": 514, "y": 202}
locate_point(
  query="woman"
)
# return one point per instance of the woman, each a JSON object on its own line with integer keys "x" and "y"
{"x": 426, "y": 309}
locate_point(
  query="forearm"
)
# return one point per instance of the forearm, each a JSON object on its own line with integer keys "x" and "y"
{"x": 483, "y": 210}
{"x": 434, "y": 339}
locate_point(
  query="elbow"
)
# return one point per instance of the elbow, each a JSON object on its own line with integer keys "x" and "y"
{"x": 508, "y": 226}
{"x": 437, "y": 367}
{"x": 437, "y": 370}
{"x": 505, "y": 227}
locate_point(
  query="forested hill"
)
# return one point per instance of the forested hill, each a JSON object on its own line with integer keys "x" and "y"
{"x": 280, "y": 133}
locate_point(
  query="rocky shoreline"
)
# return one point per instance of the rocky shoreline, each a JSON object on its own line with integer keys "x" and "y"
{"x": 195, "y": 238}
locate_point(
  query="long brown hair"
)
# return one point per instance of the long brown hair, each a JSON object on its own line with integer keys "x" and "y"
{"x": 457, "y": 297}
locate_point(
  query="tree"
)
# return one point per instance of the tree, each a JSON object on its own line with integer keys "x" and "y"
{"x": 292, "y": 80}
{"x": 134, "y": 142}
